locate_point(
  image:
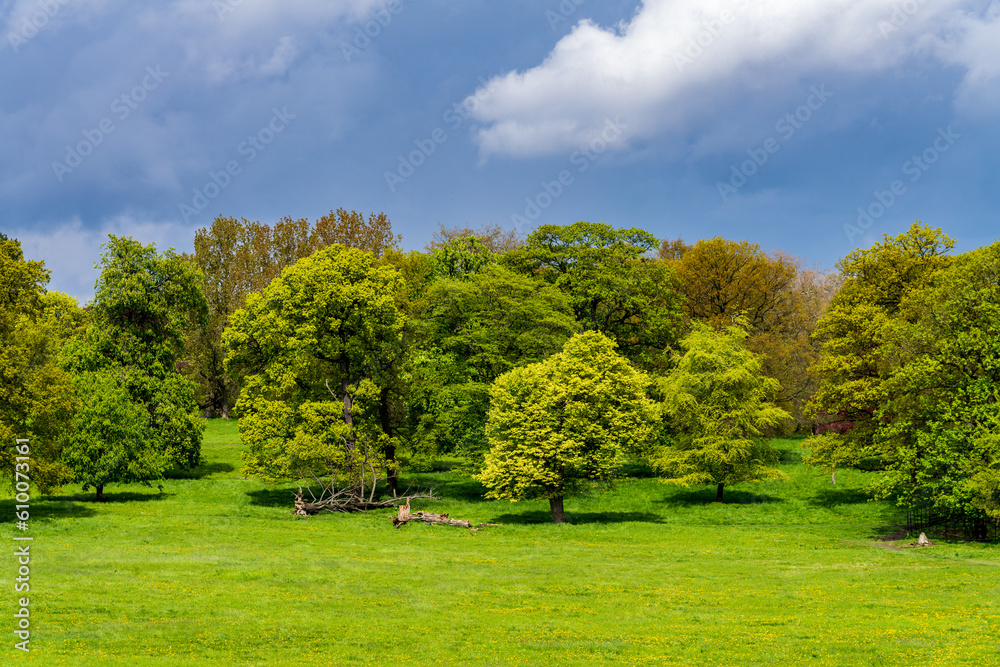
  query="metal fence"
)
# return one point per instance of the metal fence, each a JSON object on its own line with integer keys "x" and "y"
{"x": 953, "y": 524}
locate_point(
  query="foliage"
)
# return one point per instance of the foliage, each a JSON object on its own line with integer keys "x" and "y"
{"x": 613, "y": 288}
{"x": 460, "y": 257}
{"x": 144, "y": 302}
{"x": 36, "y": 395}
{"x": 723, "y": 279}
{"x": 473, "y": 331}
{"x": 854, "y": 365}
{"x": 317, "y": 348}
{"x": 350, "y": 229}
{"x": 571, "y": 419}
{"x": 716, "y": 404}
{"x": 939, "y": 430}
{"x": 112, "y": 440}
{"x": 238, "y": 258}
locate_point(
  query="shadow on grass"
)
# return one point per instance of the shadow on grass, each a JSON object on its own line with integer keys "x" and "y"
{"x": 48, "y": 508}
{"x": 791, "y": 456}
{"x": 452, "y": 487}
{"x": 706, "y": 496}
{"x": 112, "y": 497}
{"x": 545, "y": 516}
{"x": 638, "y": 471}
{"x": 832, "y": 497}
{"x": 199, "y": 472}
{"x": 280, "y": 496}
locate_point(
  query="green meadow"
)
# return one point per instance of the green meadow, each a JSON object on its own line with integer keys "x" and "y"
{"x": 210, "y": 568}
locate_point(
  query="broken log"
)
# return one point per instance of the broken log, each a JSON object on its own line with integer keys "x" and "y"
{"x": 429, "y": 517}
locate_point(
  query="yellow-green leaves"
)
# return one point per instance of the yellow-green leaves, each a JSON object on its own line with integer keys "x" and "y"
{"x": 317, "y": 345}
{"x": 570, "y": 419}
{"x": 716, "y": 403}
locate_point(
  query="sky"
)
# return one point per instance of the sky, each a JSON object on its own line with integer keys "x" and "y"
{"x": 810, "y": 127}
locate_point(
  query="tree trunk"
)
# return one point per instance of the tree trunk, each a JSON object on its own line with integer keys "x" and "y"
{"x": 348, "y": 405}
{"x": 100, "y": 492}
{"x": 385, "y": 417}
{"x": 391, "y": 471}
{"x": 718, "y": 494}
{"x": 556, "y": 505}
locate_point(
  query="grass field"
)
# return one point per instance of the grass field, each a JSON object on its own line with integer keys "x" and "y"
{"x": 212, "y": 569}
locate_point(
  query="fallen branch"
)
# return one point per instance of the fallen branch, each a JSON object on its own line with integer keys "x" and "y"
{"x": 431, "y": 517}
{"x": 405, "y": 517}
{"x": 351, "y": 502}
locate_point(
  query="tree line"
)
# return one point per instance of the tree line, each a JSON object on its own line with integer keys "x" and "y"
{"x": 544, "y": 362}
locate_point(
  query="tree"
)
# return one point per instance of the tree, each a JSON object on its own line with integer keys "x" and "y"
{"x": 316, "y": 348}
{"x": 460, "y": 257}
{"x": 472, "y": 332}
{"x": 144, "y": 302}
{"x": 350, "y": 229}
{"x": 492, "y": 236}
{"x": 722, "y": 279}
{"x": 717, "y": 403}
{"x": 853, "y": 364}
{"x": 238, "y": 258}
{"x": 612, "y": 286}
{"x": 938, "y": 429}
{"x": 112, "y": 439}
{"x": 36, "y": 396}
{"x": 558, "y": 424}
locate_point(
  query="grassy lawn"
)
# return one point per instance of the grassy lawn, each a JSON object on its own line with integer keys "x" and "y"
{"x": 213, "y": 569}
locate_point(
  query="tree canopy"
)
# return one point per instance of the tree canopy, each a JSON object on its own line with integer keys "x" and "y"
{"x": 556, "y": 425}
{"x": 473, "y": 331}
{"x": 717, "y": 402}
{"x": 36, "y": 396}
{"x": 317, "y": 346}
{"x": 853, "y": 364}
{"x": 938, "y": 431}
{"x": 612, "y": 286}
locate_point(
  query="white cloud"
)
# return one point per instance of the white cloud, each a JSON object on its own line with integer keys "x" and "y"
{"x": 70, "y": 249}
{"x": 675, "y": 60}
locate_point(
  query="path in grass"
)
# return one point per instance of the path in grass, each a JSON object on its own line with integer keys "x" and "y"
{"x": 214, "y": 570}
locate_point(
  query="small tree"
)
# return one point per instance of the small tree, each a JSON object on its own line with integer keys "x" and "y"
{"x": 556, "y": 425}
{"x": 111, "y": 440}
{"x": 716, "y": 405}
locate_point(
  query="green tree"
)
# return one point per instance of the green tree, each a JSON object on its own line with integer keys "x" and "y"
{"x": 112, "y": 439}
{"x": 36, "y": 396}
{"x": 472, "y": 332}
{"x": 144, "y": 303}
{"x": 316, "y": 348}
{"x": 853, "y": 363}
{"x": 717, "y": 403}
{"x": 938, "y": 429}
{"x": 612, "y": 286}
{"x": 238, "y": 258}
{"x": 722, "y": 279}
{"x": 460, "y": 257}
{"x": 564, "y": 422}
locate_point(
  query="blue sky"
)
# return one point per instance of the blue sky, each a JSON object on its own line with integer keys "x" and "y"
{"x": 809, "y": 127}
